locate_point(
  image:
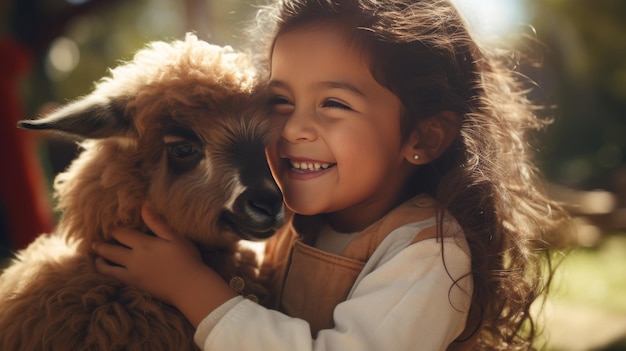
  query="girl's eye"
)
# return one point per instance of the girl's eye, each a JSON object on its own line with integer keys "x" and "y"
{"x": 336, "y": 104}
{"x": 279, "y": 100}
{"x": 281, "y": 106}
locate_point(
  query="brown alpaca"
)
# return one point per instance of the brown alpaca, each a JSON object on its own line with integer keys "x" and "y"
{"x": 180, "y": 126}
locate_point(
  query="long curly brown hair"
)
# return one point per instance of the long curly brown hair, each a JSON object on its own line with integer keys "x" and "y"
{"x": 423, "y": 52}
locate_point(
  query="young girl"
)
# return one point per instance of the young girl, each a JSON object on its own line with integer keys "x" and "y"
{"x": 419, "y": 223}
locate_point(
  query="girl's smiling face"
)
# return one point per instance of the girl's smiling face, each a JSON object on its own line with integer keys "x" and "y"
{"x": 340, "y": 151}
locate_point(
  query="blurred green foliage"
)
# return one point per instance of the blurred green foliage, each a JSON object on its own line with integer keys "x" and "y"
{"x": 109, "y": 32}
{"x": 584, "y": 75}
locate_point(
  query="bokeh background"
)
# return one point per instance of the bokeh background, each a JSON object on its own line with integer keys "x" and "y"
{"x": 52, "y": 51}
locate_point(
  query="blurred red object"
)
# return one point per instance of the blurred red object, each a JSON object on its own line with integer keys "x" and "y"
{"x": 23, "y": 189}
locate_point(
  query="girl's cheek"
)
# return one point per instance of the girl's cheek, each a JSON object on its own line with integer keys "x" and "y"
{"x": 275, "y": 132}
{"x": 273, "y": 160}
{"x": 276, "y": 125}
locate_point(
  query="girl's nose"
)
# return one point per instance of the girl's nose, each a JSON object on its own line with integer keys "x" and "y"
{"x": 299, "y": 127}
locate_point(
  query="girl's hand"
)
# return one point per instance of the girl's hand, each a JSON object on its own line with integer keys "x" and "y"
{"x": 153, "y": 263}
{"x": 167, "y": 265}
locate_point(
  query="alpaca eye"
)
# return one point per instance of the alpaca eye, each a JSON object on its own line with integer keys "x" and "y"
{"x": 181, "y": 149}
{"x": 182, "y": 156}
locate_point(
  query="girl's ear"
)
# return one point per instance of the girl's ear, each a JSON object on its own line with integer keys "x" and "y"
{"x": 432, "y": 137}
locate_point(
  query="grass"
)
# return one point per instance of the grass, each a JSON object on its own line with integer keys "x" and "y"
{"x": 587, "y": 306}
{"x": 595, "y": 276}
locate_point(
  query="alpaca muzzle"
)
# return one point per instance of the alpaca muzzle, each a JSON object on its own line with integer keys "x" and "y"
{"x": 256, "y": 214}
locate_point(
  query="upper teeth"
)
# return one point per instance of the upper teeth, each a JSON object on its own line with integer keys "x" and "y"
{"x": 312, "y": 166}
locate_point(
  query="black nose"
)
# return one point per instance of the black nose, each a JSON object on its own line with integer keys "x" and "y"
{"x": 257, "y": 213}
{"x": 262, "y": 205}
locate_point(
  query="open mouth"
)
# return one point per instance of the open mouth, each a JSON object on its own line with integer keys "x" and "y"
{"x": 308, "y": 166}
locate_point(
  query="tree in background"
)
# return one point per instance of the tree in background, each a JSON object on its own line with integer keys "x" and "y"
{"x": 584, "y": 75}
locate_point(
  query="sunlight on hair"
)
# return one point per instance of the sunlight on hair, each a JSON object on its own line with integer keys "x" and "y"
{"x": 490, "y": 19}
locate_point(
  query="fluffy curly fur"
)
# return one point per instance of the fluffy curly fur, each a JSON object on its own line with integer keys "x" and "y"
{"x": 181, "y": 126}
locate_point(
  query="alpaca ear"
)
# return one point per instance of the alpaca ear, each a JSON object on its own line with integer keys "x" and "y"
{"x": 90, "y": 118}
{"x": 432, "y": 137}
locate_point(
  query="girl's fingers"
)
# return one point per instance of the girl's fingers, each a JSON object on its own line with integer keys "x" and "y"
{"x": 129, "y": 237}
{"x": 117, "y": 272}
{"x": 114, "y": 253}
{"x": 156, "y": 223}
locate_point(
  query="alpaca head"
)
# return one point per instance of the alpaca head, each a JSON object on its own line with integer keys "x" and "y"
{"x": 181, "y": 126}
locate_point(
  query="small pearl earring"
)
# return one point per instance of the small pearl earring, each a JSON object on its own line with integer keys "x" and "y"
{"x": 416, "y": 157}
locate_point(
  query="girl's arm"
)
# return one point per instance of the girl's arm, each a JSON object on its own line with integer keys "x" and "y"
{"x": 167, "y": 265}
